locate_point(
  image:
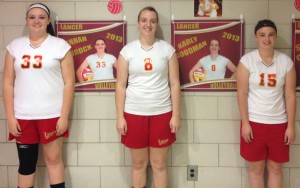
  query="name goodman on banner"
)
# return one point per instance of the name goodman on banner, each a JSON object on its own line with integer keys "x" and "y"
{"x": 208, "y": 53}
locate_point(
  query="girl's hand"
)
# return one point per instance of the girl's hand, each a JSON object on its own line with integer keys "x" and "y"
{"x": 14, "y": 127}
{"x": 121, "y": 126}
{"x": 174, "y": 124}
{"x": 61, "y": 126}
{"x": 289, "y": 136}
{"x": 247, "y": 133}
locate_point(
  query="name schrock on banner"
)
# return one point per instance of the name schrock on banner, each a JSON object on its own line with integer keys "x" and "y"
{"x": 192, "y": 40}
{"x": 81, "y": 35}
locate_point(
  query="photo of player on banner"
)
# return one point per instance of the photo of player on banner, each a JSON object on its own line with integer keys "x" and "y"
{"x": 208, "y": 53}
{"x": 95, "y": 48}
{"x": 208, "y": 8}
{"x": 296, "y": 50}
{"x": 212, "y": 66}
{"x": 97, "y": 66}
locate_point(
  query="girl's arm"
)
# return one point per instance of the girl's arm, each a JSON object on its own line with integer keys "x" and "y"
{"x": 232, "y": 68}
{"x": 8, "y": 95}
{"x": 191, "y": 72}
{"x": 67, "y": 67}
{"x": 122, "y": 76}
{"x": 290, "y": 102}
{"x": 83, "y": 65}
{"x": 242, "y": 78}
{"x": 175, "y": 93}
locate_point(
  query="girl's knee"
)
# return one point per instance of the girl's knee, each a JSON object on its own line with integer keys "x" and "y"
{"x": 274, "y": 168}
{"x": 257, "y": 168}
{"x": 53, "y": 160}
{"x": 159, "y": 165}
{"x": 139, "y": 164}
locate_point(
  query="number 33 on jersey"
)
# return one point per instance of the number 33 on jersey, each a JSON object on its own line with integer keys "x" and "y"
{"x": 37, "y": 59}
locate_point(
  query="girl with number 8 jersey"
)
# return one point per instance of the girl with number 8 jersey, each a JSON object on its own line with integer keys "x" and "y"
{"x": 147, "y": 100}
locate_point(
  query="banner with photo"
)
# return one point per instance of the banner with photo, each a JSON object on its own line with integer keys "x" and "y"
{"x": 296, "y": 49}
{"x": 208, "y": 52}
{"x": 95, "y": 47}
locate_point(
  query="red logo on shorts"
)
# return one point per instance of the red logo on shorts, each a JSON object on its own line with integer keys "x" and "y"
{"x": 161, "y": 142}
{"x": 48, "y": 135}
{"x": 297, "y": 4}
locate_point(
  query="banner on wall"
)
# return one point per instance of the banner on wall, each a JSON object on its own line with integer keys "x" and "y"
{"x": 296, "y": 49}
{"x": 95, "y": 48}
{"x": 208, "y": 52}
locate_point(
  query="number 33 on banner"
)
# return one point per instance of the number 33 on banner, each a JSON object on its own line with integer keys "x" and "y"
{"x": 115, "y": 6}
{"x": 297, "y": 4}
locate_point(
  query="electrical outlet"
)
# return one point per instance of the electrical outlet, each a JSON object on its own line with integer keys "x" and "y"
{"x": 192, "y": 173}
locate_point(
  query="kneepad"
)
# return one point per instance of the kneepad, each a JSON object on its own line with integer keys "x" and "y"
{"x": 28, "y": 155}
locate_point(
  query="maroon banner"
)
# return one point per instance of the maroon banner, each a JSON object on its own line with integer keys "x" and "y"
{"x": 208, "y": 52}
{"x": 296, "y": 49}
{"x": 84, "y": 37}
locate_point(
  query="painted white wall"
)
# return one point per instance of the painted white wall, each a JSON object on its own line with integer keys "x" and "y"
{"x": 209, "y": 138}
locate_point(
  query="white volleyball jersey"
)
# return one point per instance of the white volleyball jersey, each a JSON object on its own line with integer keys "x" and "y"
{"x": 213, "y": 13}
{"x": 102, "y": 67}
{"x": 148, "y": 91}
{"x": 206, "y": 5}
{"x": 214, "y": 69}
{"x": 38, "y": 87}
{"x": 266, "y": 102}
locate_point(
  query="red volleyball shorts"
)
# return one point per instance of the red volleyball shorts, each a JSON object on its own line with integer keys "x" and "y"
{"x": 268, "y": 143}
{"x": 35, "y": 131}
{"x": 148, "y": 131}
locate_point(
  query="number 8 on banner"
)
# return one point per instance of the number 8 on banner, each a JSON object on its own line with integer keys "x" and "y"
{"x": 115, "y": 6}
{"x": 297, "y": 4}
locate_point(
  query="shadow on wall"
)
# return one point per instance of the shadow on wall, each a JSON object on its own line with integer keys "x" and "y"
{"x": 159, "y": 33}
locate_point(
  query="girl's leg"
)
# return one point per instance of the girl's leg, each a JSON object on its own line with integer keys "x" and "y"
{"x": 28, "y": 154}
{"x": 158, "y": 159}
{"x": 140, "y": 158}
{"x": 275, "y": 177}
{"x": 256, "y": 174}
{"x": 53, "y": 158}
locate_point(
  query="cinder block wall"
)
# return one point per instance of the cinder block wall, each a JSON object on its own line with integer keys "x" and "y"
{"x": 209, "y": 137}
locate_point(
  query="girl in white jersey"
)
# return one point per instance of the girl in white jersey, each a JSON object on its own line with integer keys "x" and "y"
{"x": 38, "y": 85}
{"x": 213, "y": 64}
{"x": 204, "y": 8}
{"x": 214, "y": 7}
{"x": 147, "y": 100}
{"x": 101, "y": 63}
{"x": 267, "y": 102}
